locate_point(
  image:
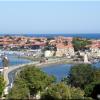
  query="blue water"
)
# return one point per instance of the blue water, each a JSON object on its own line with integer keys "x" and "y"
{"x": 84, "y": 35}
{"x": 14, "y": 60}
{"x": 88, "y": 35}
{"x": 61, "y": 70}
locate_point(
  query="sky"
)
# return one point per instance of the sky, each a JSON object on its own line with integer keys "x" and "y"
{"x": 41, "y": 16}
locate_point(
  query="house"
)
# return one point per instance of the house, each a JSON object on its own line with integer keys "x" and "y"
{"x": 48, "y": 53}
{"x": 95, "y": 48}
{"x": 63, "y": 50}
{"x": 64, "y": 46}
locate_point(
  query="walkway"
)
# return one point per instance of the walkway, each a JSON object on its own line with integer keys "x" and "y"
{"x": 10, "y": 69}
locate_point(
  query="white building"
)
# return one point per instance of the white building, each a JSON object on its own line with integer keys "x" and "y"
{"x": 48, "y": 53}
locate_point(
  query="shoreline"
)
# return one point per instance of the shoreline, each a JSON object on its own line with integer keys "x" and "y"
{"x": 40, "y": 66}
{"x": 49, "y": 63}
{"x": 12, "y": 74}
{"x": 64, "y": 61}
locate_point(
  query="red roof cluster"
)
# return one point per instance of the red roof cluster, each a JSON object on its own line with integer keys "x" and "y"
{"x": 95, "y": 44}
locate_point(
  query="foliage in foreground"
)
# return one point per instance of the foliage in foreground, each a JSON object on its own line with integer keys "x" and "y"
{"x": 81, "y": 75}
{"x": 2, "y": 84}
{"x": 32, "y": 80}
{"x": 84, "y": 76}
{"x": 29, "y": 82}
{"x": 60, "y": 91}
{"x": 19, "y": 90}
{"x": 89, "y": 88}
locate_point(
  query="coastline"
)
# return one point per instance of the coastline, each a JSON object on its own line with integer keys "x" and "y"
{"x": 51, "y": 61}
{"x": 14, "y": 72}
{"x": 11, "y": 75}
{"x": 46, "y": 64}
{"x": 42, "y": 65}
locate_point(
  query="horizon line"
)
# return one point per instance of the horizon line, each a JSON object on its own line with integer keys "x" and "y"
{"x": 48, "y": 0}
{"x": 52, "y": 33}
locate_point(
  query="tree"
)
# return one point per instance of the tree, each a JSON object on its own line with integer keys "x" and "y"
{"x": 84, "y": 76}
{"x": 19, "y": 90}
{"x": 97, "y": 74}
{"x": 89, "y": 88}
{"x": 60, "y": 91}
{"x": 30, "y": 81}
{"x": 81, "y": 75}
{"x": 36, "y": 79}
{"x": 2, "y": 84}
{"x": 96, "y": 92}
{"x": 80, "y": 44}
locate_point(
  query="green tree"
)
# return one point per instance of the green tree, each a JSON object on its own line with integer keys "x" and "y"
{"x": 80, "y": 44}
{"x": 60, "y": 91}
{"x": 2, "y": 84}
{"x": 89, "y": 88}
{"x": 19, "y": 90}
{"x": 81, "y": 75}
{"x": 97, "y": 74}
{"x": 36, "y": 79}
{"x": 30, "y": 81}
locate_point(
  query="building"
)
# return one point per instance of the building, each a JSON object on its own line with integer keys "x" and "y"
{"x": 95, "y": 48}
{"x": 64, "y": 46}
{"x": 63, "y": 50}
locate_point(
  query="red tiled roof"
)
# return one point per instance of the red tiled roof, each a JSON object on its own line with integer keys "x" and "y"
{"x": 61, "y": 46}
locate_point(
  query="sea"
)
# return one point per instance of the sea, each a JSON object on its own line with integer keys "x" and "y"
{"x": 51, "y": 35}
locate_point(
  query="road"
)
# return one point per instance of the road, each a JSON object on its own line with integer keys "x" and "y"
{"x": 11, "y": 69}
